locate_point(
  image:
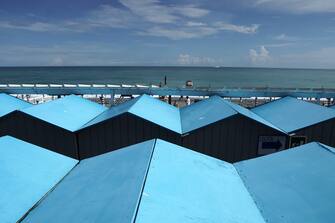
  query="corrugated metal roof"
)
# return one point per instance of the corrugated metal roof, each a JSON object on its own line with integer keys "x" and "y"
{"x": 70, "y": 112}
{"x": 295, "y": 185}
{"x": 291, "y": 114}
{"x": 189, "y": 187}
{"x": 147, "y": 108}
{"x": 102, "y": 189}
{"x": 9, "y": 103}
{"x": 27, "y": 173}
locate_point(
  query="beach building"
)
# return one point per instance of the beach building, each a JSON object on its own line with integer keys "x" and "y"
{"x": 303, "y": 121}
{"x": 154, "y": 181}
{"x": 146, "y": 182}
{"x": 27, "y": 173}
{"x": 227, "y": 131}
{"x": 131, "y": 122}
{"x": 207, "y": 126}
{"x": 295, "y": 185}
{"x": 9, "y": 104}
{"x": 52, "y": 125}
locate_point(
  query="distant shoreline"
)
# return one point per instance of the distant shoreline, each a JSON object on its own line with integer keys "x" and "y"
{"x": 164, "y": 66}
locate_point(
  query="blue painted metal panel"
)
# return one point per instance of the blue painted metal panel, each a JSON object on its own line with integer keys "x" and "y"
{"x": 70, "y": 112}
{"x": 185, "y": 186}
{"x": 291, "y": 114}
{"x": 113, "y": 112}
{"x": 148, "y": 108}
{"x": 101, "y": 189}
{"x": 296, "y": 185}
{"x": 204, "y": 113}
{"x": 27, "y": 173}
{"x": 181, "y": 120}
{"x": 246, "y": 112}
{"x": 158, "y": 112}
{"x": 9, "y": 103}
{"x": 215, "y": 109}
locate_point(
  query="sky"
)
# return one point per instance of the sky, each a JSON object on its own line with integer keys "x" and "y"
{"x": 232, "y": 33}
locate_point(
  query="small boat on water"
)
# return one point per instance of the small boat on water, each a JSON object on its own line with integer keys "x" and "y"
{"x": 189, "y": 83}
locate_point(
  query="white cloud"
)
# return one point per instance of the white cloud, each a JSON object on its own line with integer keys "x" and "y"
{"x": 155, "y": 12}
{"x": 191, "y": 23}
{"x": 284, "y": 37}
{"x": 278, "y": 45}
{"x": 57, "y": 61}
{"x": 236, "y": 28}
{"x": 144, "y": 17}
{"x": 150, "y": 10}
{"x": 187, "y": 60}
{"x": 298, "y": 6}
{"x": 179, "y": 33}
{"x": 108, "y": 16}
{"x": 104, "y": 16}
{"x": 35, "y": 26}
{"x": 261, "y": 57}
{"x": 191, "y": 11}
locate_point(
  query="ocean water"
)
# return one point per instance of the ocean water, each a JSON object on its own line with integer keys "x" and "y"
{"x": 176, "y": 76}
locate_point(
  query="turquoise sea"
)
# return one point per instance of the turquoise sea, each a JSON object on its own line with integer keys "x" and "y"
{"x": 176, "y": 76}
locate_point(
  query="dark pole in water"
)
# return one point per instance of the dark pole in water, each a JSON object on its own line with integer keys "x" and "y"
{"x": 165, "y": 80}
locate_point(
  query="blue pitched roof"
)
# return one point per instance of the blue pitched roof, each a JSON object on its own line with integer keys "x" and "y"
{"x": 105, "y": 188}
{"x": 204, "y": 112}
{"x": 295, "y": 185}
{"x": 9, "y": 103}
{"x": 189, "y": 187}
{"x": 154, "y": 181}
{"x": 291, "y": 114}
{"x": 181, "y": 120}
{"x": 214, "y": 109}
{"x": 147, "y": 108}
{"x": 27, "y": 173}
{"x": 70, "y": 112}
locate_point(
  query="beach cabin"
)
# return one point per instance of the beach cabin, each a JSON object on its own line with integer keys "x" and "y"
{"x": 134, "y": 121}
{"x": 52, "y": 125}
{"x": 214, "y": 127}
{"x": 154, "y": 181}
{"x": 295, "y": 185}
{"x": 9, "y": 104}
{"x": 227, "y": 131}
{"x": 303, "y": 121}
{"x": 28, "y": 173}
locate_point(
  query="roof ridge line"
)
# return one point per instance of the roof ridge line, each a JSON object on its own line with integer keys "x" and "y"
{"x": 239, "y": 173}
{"x": 326, "y": 148}
{"x": 254, "y": 114}
{"x": 47, "y": 193}
{"x": 144, "y": 182}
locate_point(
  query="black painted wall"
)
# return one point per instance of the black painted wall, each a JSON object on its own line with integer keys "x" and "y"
{"x": 38, "y": 132}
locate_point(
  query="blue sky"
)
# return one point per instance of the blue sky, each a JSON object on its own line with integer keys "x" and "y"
{"x": 262, "y": 33}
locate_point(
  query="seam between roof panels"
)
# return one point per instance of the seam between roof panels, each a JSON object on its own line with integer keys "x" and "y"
{"x": 46, "y": 194}
{"x": 249, "y": 191}
{"x": 143, "y": 185}
{"x": 327, "y": 149}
